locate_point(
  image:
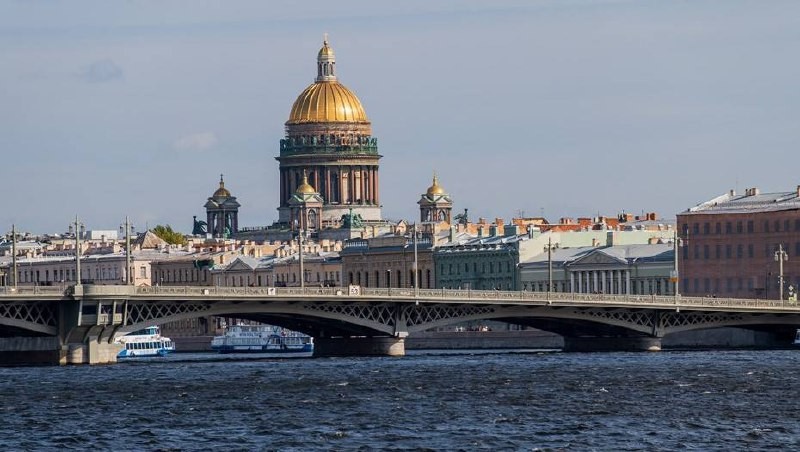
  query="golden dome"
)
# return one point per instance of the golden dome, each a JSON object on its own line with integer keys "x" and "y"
{"x": 305, "y": 188}
{"x": 327, "y": 102}
{"x": 435, "y": 189}
{"x": 221, "y": 192}
{"x": 326, "y": 50}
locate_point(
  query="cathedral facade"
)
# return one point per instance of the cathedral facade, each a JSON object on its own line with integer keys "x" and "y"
{"x": 329, "y": 148}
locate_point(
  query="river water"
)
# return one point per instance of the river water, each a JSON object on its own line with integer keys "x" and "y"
{"x": 696, "y": 400}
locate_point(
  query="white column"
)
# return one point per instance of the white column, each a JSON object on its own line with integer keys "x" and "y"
{"x": 627, "y": 282}
{"x": 603, "y": 281}
{"x": 619, "y": 281}
{"x": 572, "y": 282}
{"x": 594, "y": 280}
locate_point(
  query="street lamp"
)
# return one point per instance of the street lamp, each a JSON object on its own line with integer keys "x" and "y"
{"x": 127, "y": 228}
{"x": 549, "y": 265}
{"x": 416, "y": 263}
{"x": 780, "y": 256}
{"x": 14, "y": 254}
{"x": 78, "y": 225}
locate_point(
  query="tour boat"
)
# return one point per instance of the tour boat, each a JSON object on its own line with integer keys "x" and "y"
{"x": 144, "y": 343}
{"x": 797, "y": 337}
{"x": 261, "y": 339}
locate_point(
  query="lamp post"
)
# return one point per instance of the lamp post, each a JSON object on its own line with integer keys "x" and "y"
{"x": 299, "y": 226}
{"x": 549, "y": 265}
{"x": 77, "y": 251}
{"x": 416, "y": 263}
{"x": 14, "y": 254}
{"x": 780, "y": 256}
{"x": 674, "y": 275}
{"x": 128, "y": 269}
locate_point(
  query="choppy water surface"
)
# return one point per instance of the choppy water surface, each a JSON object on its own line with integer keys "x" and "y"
{"x": 719, "y": 400}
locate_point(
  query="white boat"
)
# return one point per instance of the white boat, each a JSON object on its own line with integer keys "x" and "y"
{"x": 261, "y": 339}
{"x": 797, "y": 337}
{"x": 144, "y": 343}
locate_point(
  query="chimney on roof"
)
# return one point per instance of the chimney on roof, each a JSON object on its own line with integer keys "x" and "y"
{"x": 751, "y": 191}
{"x": 731, "y": 192}
{"x": 798, "y": 191}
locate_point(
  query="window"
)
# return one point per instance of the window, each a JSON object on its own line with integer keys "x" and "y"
{"x": 728, "y": 227}
{"x": 739, "y": 227}
{"x": 718, "y": 252}
{"x": 706, "y": 228}
{"x": 697, "y": 251}
{"x": 706, "y": 253}
{"x": 727, "y": 251}
{"x": 777, "y": 226}
{"x": 739, "y": 251}
{"x": 696, "y": 228}
{"x": 750, "y": 226}
{"x": 750, "y": 252}
{"x": 766, "y": 226}
{"x": 786, "y": 225}
{"x": 718, "y": 228}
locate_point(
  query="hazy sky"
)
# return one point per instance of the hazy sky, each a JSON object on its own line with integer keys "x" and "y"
{"x": 554, "y": 107}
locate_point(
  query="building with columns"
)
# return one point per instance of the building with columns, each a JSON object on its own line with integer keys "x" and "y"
{"x": 329, "y": 138}
{"x": 222, "y": 212}
{"x": 621, "y": 269}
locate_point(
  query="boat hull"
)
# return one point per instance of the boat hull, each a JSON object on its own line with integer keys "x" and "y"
{"x": 307, "y": 348}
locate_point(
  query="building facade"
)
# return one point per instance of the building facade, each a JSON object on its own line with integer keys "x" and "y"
{"x": 388, "y": 261}
{"x": 730, "y": 245}
{"x": 622, "y": 269}
{"x": 329, "y": 138}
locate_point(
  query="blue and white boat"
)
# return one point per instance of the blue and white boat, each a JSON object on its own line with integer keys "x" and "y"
{"x": 145, "y": 343}
{"x": 261, "y": 339}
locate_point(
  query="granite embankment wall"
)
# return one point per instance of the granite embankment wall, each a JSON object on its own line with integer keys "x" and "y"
{"x": 536, "y": 339}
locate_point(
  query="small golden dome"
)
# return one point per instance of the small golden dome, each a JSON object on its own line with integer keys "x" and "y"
{"x": 305, "y": 188}
{"x": 326, "y": 50}
{"x": 435, "y": 189}
{"x": 327, "y": 102}
{"x": 221, "y": 192}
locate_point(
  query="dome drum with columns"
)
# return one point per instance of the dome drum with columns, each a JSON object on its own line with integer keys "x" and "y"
{"x": 329, "y": 139}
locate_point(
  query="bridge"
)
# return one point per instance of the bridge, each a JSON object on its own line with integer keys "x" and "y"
{"x": 78, "y": 324}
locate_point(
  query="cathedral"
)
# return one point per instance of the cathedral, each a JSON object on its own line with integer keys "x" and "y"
{"x": 329, "y": 151}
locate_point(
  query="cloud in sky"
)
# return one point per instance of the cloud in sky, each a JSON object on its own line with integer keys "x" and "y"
{"x": 196, "y": 142}
{"x": 102, "y": 71}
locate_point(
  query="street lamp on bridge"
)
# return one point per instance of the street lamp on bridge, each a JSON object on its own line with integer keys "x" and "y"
{"x": 780, "y": 256}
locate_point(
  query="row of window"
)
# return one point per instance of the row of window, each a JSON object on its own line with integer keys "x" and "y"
{"x": 363, "y": 279}
{"x": 67, "y": 275}
{"x": 727, "y": 251}
{"x": 768, "y": 226}
{"x": 455, "y": 269}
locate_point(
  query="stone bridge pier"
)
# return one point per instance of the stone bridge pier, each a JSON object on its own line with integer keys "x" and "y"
{"x": 359, "y": 346}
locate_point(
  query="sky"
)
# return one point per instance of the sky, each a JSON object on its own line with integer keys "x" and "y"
{"x": 555, "y": 108}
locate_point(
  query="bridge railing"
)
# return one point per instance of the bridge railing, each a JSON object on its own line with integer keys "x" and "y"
{"x": 31, "y": 290}
{"x": 467, "y": 295}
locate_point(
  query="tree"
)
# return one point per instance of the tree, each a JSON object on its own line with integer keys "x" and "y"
{"x": 168, "y": 235}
